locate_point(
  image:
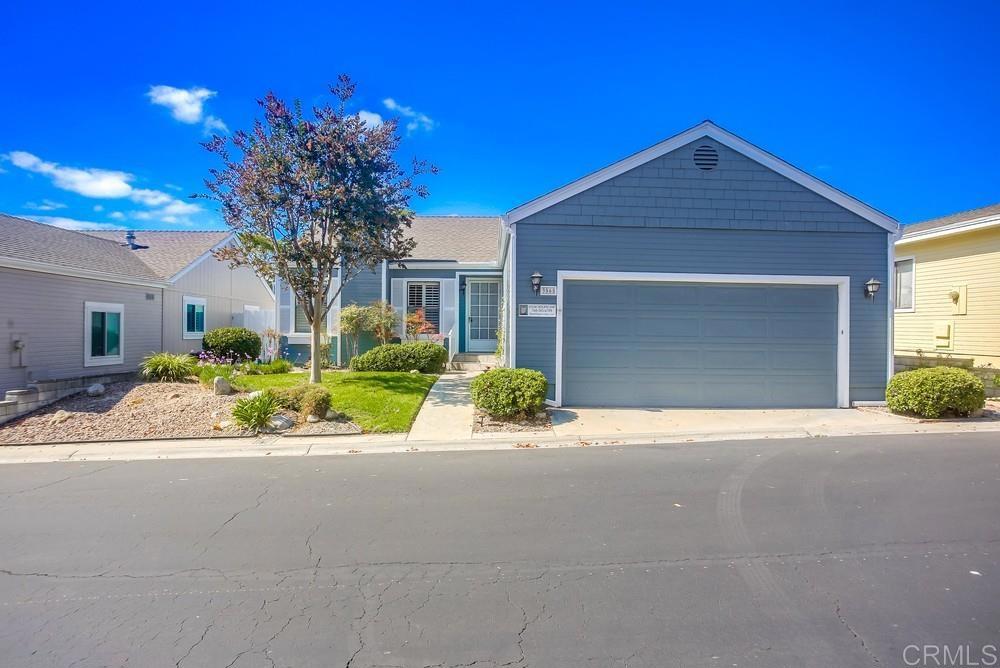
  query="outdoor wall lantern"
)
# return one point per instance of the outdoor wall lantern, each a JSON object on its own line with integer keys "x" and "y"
{"x": 536, "y": 282}
{"x": 871, "y": 288}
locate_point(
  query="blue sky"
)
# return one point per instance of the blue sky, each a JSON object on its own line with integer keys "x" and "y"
{"x": 103, "y": 109}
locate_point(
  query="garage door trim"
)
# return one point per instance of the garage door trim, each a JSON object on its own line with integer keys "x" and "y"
{"x": 843, "y": 284}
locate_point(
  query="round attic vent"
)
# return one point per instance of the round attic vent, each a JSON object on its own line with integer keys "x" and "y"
{"x": 706, "y": 158}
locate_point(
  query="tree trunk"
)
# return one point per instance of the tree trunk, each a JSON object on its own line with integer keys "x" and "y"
{"x": 316, "y": 340}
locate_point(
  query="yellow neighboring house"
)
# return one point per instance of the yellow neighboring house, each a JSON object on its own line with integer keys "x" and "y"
{"x": 947, "y": 281}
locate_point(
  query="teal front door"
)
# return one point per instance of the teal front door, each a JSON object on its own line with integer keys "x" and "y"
{"x": 482, "y": 309}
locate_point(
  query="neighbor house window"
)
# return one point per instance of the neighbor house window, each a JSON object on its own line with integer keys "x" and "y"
{"x": 103, "y": 338}
{"x": 904, "y": 284}
{"x": 426, "y": 296}
{"x": 194, "y": 317}
{"x": 301, "y": 320}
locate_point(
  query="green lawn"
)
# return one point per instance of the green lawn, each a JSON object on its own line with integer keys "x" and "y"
{"x": 375, "y": 401}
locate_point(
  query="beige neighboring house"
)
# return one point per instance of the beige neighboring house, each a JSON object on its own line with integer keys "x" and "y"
{"x": 947, "y": 302}
{"x": 80, "y": 305}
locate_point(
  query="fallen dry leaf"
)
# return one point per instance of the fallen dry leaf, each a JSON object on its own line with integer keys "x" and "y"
{"x": 525, "y": 445}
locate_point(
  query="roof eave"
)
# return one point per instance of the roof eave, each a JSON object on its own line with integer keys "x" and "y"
{"x": 949, "y": 230}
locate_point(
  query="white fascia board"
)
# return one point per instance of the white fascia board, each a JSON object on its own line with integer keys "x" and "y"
{"x": 201, "y": 258}
{"x": 957, "y": 228}
{"x": 46, "y": 268}
{"x": 724, "y": 137}
{"x": 434, "y": 264}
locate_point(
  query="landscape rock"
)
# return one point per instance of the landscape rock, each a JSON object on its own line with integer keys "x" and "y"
{"x": 332, "y": 414}
{"x": 281, "y": 423}
{"x": 226, "y": 424}
{"x": 95, "y": 390}
{"x": 221, "y": 386}
{"x": 255, "y": 393}
{"x": 60, "y": 416}
{"x": 313, "y": 418}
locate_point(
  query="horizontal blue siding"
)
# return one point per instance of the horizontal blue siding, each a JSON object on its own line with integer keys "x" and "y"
{"x": 364, "y": 288}
{"x": 550, "y": 248}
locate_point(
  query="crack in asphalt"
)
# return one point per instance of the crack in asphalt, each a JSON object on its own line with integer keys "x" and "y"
{"x": 62, "y": 480}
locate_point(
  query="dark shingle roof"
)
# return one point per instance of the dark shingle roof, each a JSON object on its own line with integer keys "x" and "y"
{"x": 22, "y": 239}
{"x": 456, "y": 238}
{"x": 167, "y": 252}
{"x": 952, "y": 219}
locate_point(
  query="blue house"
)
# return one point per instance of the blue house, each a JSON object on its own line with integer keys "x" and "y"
{"x": 699, "y": 272}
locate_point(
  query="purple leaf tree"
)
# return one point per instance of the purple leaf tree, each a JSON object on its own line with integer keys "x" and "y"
{"x": 308, "y": 196}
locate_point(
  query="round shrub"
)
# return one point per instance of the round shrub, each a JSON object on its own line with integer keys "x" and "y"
{"x": 168, "y": 367}
{"x": 935, "y": 391}
{"x": 238, "y": 343}
{"x": 315, "y": 401}
{"x": 423, "y": 356}
{"x": 508, "y": 392}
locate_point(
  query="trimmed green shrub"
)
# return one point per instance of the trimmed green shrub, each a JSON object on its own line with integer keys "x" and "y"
{"x": 311, "y": 399}
{"x": 238, "y": 343}
{"x": 255, "y": 413}
{"x": 935, "y": 391}
{"x": 168, "y": 367}
{"x": 315, "y": 401}
{"x": 423, "y": 356}
{"x": 509, "y": 392}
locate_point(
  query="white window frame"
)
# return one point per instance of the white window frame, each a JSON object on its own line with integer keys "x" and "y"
{"x": 103, "y": 307}
{"x": 843, "y": 284}
{"x": 195, "y": 301}
{"x": 425, "y": 283}
{"x": 913, "y": 284}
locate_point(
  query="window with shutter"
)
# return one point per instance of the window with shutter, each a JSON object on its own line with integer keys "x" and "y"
{"x": 426, "y": 296}
{"x": 301, "y": 321}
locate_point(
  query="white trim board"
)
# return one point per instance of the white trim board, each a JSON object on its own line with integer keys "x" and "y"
{"x": 47, "y": 268}
{"x": 843, "y": 284}
{"x": 724, "y": 137}
{"x": 948, "y": 230}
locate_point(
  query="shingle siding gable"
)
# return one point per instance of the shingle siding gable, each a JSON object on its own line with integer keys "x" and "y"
{"x": 670, "y": 191}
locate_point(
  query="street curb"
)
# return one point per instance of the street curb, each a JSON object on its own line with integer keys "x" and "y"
{"x": 391, "y": 444}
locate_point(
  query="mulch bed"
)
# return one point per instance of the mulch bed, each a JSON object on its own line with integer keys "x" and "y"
{"x": 483, "y": 422}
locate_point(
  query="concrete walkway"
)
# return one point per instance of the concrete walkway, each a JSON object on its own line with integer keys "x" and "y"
{"x": 447, "y": 412}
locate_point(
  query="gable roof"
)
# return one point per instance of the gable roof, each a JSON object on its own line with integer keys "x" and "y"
{"x": 705, "y": 129}
{"x": 36, "y": 246}
{"x": 963, "y": 221}
{"x": 166, "y": 253}
{"x": 455, "y": 238}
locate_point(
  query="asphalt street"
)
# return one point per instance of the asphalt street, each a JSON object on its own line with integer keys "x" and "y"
{"x": 815, "y": 552}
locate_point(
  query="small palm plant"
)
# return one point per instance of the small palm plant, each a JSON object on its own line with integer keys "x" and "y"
{"x": 167, "y": 367}
{"x": 255, "y": 413}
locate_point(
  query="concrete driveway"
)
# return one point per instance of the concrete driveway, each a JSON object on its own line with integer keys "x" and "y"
{"x": 568, "y": 422}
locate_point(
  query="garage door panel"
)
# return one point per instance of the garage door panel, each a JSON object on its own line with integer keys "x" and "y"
{"x": 699, "y": 345}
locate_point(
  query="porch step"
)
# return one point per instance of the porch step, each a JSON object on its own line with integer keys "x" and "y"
{"x": 472, "y": 362}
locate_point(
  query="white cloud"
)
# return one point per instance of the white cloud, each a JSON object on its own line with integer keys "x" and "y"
{"x": 73, "y": 224}
{"x": 87, "y": 182}
{"x": 106, "y": 184}
{"x": 117, "y": 215}
{"x": 44, "y": 205}
{"x": 98, "y": 208}
{"x": 370, "y": 117}
{"x": 171, "y": 186}
{"x": 417, "y": 120}
{"x": 214, "y": 124}
{"x": 187, "y": 105}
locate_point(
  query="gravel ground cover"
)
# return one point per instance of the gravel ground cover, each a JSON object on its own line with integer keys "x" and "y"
{"x": 129, "y": 410}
